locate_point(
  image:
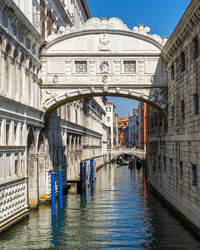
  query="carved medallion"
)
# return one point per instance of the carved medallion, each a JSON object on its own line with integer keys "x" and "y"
{"x": 104, "y": 42}
{"x": 104, "y": 67}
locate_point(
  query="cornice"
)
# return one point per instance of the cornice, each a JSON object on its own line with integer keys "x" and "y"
{"x": 104, "y": 31}
{"x": 61, "y": 12}
{"x": 19, "y": 45}
{"x": 183, "y": 31}
{"x": 86, "y": 9}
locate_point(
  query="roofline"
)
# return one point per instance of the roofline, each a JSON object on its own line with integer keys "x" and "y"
{"x": 194, "y": 4}
{"x": 85, "y": 32}
{"x": 86, "y": 9}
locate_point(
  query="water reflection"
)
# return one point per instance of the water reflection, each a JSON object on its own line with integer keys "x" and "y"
{"x": 119, "y": 214}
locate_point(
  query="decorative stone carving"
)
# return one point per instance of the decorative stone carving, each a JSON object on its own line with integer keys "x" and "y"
{"x": 159, "y": 96}
{"x": 12, "y": 198}
{"x": 55, "y": 79}
{"x": 104, "y": 42}
{"x": 104, "y": 68}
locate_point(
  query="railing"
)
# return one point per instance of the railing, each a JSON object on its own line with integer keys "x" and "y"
{"x": 13, "y": 198}
{"x": 134, "y": 151}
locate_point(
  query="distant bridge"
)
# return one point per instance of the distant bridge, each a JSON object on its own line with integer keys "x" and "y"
{"x": 133, "y": 151}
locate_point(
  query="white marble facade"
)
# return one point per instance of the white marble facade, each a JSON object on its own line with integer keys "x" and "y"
{"x": 29, "y": 145}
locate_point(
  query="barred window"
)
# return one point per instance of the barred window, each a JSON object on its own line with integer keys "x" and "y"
{"x": 81, "y": 67}
{"x": 130, "y": 67}
{"x": 193, "y": 175}
{"x": 182, "y": 61}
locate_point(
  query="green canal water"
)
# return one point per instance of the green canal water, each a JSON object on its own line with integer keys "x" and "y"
{"x": 120, "y": 214}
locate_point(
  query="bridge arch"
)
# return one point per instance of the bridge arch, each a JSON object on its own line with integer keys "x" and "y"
{"x": 65, "y": 98}
{"x": 104, "y": 58}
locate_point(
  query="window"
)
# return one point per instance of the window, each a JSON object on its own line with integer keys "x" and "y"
{"x": 7, "y": 133}
{"x": 170, "y": 167}
{"x": 151, "y": 122}
{"x": 193, "y": 175}
{"x": 33, "y": 49}
{"x": 159, "y": 163}
{"x": 81, "y": 67}
{"x": 154, "y": 162}
{"x": 129, "y": 67}
{"x": 195, "y": 104}
{"x": 28, "y": 43}
{"x": 172, "y": 72}
{"x": 182, "y": 110}
{"x": 182, "y": 61}
{"x": 180, "y": 170}
{"x": 16, "y": 168}
{"x": 195, "y": 48}
{"x": 164, "y": 160}
{"x": 172, "y": 112}
{"x": 108, "y": 109}
{"x": 108, "y": 119}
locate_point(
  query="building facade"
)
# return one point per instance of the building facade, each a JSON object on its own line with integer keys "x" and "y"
{"x": 111, "y": 125}
{"x": 142, "y": 125}
{"x": 30, "y": 147}
{"x": 174, "y": 150}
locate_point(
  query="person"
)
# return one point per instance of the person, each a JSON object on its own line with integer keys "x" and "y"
{"x": 139, "y": 163}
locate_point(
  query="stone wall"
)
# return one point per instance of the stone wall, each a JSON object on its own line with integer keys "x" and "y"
{"x": 174, "y": 152}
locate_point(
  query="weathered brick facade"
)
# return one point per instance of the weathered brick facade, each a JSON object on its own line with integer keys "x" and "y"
{"x": 174, "y": 152}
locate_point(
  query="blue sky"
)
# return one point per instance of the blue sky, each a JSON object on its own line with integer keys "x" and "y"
{"x": 160, "y": 15}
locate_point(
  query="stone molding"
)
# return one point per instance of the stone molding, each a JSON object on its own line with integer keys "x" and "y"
{"x": 155, "y": 97}
{"x": 19, "y": 18}
{"x": 105, "y": 26}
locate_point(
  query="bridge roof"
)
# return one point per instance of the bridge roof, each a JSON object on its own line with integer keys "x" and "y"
{"x": 83, "y": 39}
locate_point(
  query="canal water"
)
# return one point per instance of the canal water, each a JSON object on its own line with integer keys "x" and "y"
{"x": 120, "y": 214}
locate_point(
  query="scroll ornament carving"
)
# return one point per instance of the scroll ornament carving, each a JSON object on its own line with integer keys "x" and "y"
{"x": 50, "y": 95}
{"x": 160, "y": 97}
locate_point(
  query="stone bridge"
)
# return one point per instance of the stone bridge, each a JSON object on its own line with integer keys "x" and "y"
{"x": 103, "y": 58}
{"x": 132, "y": 151}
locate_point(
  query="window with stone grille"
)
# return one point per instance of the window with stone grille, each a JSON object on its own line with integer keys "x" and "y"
{"x": 81, "y": 67}
{"x": 129, "y": 67}
{"x": 180, "y": 170}
{"x": 182, "y": 110}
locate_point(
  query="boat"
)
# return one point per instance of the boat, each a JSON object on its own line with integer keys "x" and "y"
{"x": 121, "y": 161}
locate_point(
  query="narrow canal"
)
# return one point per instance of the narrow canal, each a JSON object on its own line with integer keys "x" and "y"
{"x": 120, "y": 214}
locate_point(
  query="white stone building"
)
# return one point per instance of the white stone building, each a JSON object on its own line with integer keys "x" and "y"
{"x": 110, "y": 123}
{"x": 29, "y": 145}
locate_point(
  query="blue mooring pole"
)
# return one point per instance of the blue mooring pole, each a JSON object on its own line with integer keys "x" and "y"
{"x": 81, "y": 176}
{"x": 85, "y": 175}
{"x": 91, "y": 173}
{"x": 60, "y": 188}
{"x": 53, "y": 194}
